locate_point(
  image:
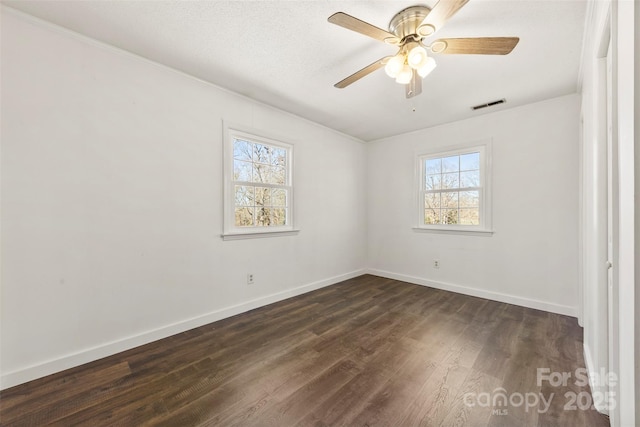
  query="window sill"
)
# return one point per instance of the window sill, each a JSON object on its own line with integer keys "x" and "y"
{"x": 259, "y": 234}
{"x": 486, "y": 233}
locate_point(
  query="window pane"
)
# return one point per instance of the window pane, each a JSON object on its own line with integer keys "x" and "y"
{"x": 260, "y": 173}
{"x": 269, "y": 154}
{"x": 278, "y": 197}
{"x": 469, "y": 199}
{"x": 432, "y": 216}
{"x": 470, "y": 162}
{"x": 263, "y": 217}
{"x": 278, "y": 156}
{"x": 268, "y": 174}
{"x": 278, "y": 175}
{"x": 450, "y": 180}
{"x": 263, "y": 196}
{"x": 244, "y": 195}
{"x": 470, "y": 179}
{"x": 260, "y": 153}
{"x": 433, "y": 182}
{"x": 278, "y": 216}
{"x": 432, "y": 166}
{"x": 269, "y": 217}
{"x": 242, "y": 171}
{"x": 470, "y": 216}
{"x": 450, "y": 200}
{"x": 242, "y": 150}
{"x": 432, "y": 200}
{"x": 449, "y": 216}
{"x": 451, "y": 164}
{"x": 244, "y": 217}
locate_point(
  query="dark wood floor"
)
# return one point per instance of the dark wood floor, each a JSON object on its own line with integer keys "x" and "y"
{"x": 368, "y": 351}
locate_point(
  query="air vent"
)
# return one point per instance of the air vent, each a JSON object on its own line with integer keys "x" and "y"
{"x": 489, "y": 104}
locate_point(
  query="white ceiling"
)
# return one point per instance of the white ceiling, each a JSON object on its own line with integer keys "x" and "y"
{"x": 285, "y": 53}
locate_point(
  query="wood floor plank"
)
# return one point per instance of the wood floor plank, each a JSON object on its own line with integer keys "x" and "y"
{"x": 471, "y": 411}
{"x": 292, "y": 409}
{"x": 366, "y": 351}
{"x": 432, "y": 402}
{"x": 73, "y": 388}
{"x": 345, "y": 401}
{"x": 396, "y": 394}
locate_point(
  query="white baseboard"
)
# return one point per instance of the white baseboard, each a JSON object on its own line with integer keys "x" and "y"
{"x": 10, "y": 379}
{"x": 481, "y": 293}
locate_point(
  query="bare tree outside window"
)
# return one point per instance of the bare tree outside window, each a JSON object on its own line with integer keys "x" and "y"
{"x": 260, "y": 184}
{"x": 452, "y": 189}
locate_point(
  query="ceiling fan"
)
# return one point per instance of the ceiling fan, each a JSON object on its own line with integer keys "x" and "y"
{"x": 408, "y": 30}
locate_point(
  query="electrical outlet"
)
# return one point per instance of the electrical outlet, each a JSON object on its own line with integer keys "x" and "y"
{"x": 250, "y": 279}
{"x": 436, "y": 263}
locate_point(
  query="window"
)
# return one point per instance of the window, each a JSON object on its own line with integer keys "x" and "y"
{"x": 454, "y": 190}
{"x": 258, "y": 185}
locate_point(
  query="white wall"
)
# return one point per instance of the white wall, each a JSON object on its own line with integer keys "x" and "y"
{"x": 112, "y": 203}
{"x": 531, "y": 259}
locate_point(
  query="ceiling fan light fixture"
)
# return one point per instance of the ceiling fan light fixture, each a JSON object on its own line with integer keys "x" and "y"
{"x": 428, "y": 67}
{"x": 394, "y": 66}
{"x": 405, "y": 75}
{"x": 417, "y": 56}
{"x": 408, "y": 30}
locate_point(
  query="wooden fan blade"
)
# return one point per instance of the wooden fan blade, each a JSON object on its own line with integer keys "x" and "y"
{"x": 442, "y": 12}
{"x": 354, "y": 24}
{"x": 361, "y": 73}
{"x": 478, "y": 45}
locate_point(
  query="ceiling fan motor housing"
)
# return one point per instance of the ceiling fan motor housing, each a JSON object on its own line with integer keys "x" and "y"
{"x": 407, "y": 21}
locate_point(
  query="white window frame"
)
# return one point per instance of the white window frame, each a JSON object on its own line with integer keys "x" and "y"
{"x": 485, "y": 226}
{"x": 231, "y": 231}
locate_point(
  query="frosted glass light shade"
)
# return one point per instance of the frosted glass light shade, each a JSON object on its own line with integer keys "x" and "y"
{"x": 405, "y": 75}
{"x": 417, "y": 57}
{"x": 394, "y": 66}
{"x": 428, "y": 67}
